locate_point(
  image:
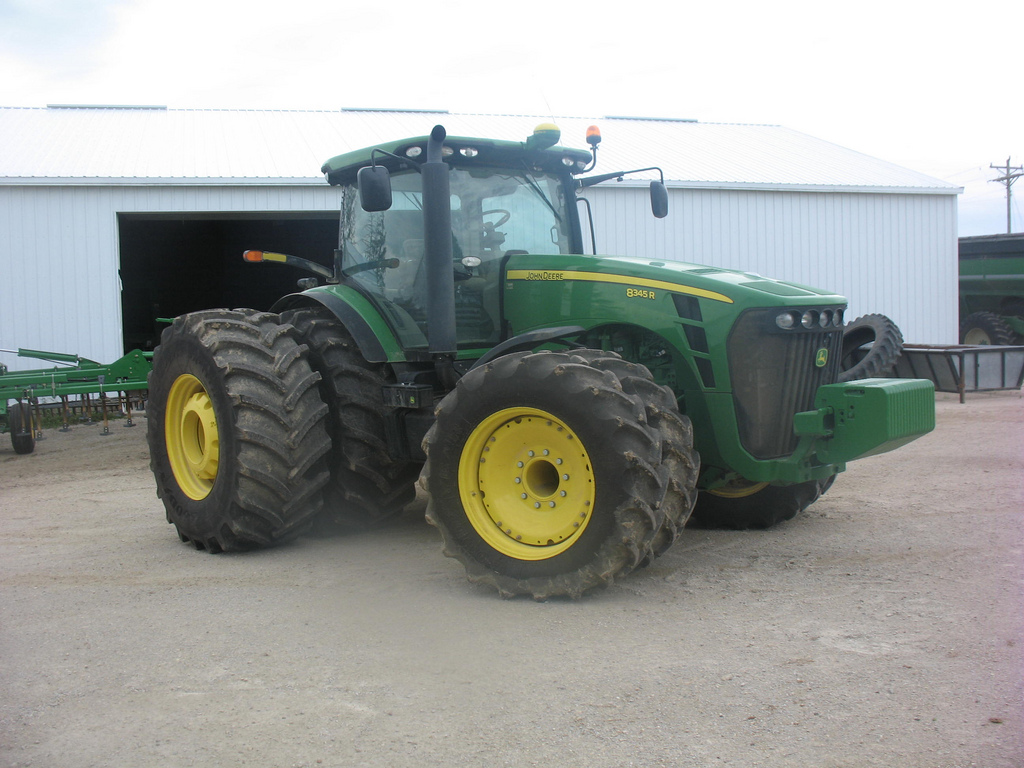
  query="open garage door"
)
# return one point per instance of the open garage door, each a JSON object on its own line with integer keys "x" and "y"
{"x": 171, "y": 264}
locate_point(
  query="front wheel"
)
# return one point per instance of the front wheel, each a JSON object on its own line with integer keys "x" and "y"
{"x": 544, "y": 475}
{"x": 19, "y": 421}
{"x": 742, "y": 504}
{"x": 236, "y": 433}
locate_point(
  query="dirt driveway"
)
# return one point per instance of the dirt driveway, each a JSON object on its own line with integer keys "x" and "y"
{"x": 881, "y": 628}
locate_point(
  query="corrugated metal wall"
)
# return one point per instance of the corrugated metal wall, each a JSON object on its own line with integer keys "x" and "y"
{"x": 888, "y": 253}
{"x": 59, "y": 287}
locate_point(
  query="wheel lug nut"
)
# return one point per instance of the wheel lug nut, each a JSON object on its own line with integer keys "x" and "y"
{"x": 519, "y": 480}
{"x": 519, "y": 464}
{"x": 530, "y": 453}
{"x": 546, "y": 452}
{"x": 522, "y": 496}
{"x": 565, "y": 477}
{"x": 562, "y": 493}
{"x": 536, "y": 505}
{"x": 551, "y": 504}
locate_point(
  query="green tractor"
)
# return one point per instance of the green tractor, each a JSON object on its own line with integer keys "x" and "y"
{"x": 565, "y": 413}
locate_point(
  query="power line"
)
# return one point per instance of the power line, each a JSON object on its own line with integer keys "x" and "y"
{"x": 1010, "y": 175}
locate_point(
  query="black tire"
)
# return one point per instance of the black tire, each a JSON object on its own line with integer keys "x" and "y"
{"x": 611, "y": 471}
{"x": 680, "y": 462}
{"x": 871, "y": 346}
{"x": 762, "y": 506}
{"x": 241, "y": 377}
{"x": 984, "y": 329}
{"x": 367, "y": 486}
{"x": 19, "y": 421}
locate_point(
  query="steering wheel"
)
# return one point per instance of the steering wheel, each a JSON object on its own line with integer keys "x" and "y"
{"x": 505, "y": 216}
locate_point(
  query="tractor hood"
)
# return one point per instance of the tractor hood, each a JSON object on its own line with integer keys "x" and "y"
{"x": 713, "y": 283}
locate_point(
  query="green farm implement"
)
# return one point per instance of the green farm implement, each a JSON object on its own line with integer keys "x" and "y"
{"x": 992, "y": 290}
{"x": 71, "y": 376}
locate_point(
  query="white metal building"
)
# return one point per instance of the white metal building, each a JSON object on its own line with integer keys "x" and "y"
{"x": 102, "y": 208}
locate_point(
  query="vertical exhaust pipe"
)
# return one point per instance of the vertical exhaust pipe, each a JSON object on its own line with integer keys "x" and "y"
{"x": 437, "y": 236}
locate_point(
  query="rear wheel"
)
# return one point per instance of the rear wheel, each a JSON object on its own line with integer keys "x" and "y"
{"x": 742, "y": 504}
{"x": 19, "y": 421}
{"x": 236, "y": 433}
{"x": 544, "y": 475}
{"x": 367, "y": 486}
{"x": 984, "y": 329}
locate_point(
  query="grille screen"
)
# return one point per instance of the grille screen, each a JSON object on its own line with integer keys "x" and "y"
{"x": 774, "y": 376}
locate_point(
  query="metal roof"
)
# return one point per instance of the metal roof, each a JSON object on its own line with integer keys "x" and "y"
{"x": 68, "y": 144}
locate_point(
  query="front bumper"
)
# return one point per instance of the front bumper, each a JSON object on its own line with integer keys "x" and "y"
{"x": 864, "y": 418}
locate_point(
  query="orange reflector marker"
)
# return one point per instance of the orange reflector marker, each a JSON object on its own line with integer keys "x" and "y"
{"x": 256, "y": 257}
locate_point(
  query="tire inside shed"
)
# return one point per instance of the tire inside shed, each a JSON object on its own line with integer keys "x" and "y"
{"x": 178, "y": 263}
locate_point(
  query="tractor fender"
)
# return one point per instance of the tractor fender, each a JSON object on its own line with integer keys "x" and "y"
{"x": 366, "y": 339}
{"x": 530, "y": 340}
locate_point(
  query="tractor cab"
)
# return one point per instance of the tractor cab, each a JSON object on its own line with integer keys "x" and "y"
{"x": 494, "y": 213}
{"x": 503, "y": 198}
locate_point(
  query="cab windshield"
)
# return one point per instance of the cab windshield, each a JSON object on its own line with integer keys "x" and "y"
{"x": 494, "y": 213}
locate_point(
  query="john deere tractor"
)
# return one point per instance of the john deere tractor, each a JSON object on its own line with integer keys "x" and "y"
{"x": 564, "y": 412}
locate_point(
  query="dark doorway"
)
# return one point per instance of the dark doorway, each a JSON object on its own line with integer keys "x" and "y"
{"x": 173, "y": 264}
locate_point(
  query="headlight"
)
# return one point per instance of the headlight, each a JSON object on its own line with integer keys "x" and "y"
{"x": 786, "y": 320}
{"x": 825, "y": 319}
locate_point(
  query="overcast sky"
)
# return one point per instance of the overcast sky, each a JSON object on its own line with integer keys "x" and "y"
{"x": 933, "y": 86}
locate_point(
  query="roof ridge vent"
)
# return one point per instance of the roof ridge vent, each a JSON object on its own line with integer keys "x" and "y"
{"x": 106, "y": 106}
{"x": 399, "y": 111}
{"x": 652, "y": 119}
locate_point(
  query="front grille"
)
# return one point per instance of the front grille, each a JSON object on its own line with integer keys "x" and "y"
{"x": 774, "y": 376}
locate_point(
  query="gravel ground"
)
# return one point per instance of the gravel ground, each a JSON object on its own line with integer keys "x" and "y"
{"x": 881, "y": 628}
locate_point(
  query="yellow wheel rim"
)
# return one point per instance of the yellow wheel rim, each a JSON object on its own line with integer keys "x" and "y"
{"x": 526, "y": 483}
{"x": 738, "y": 489}
{"x": 977, "y": 337}
{"x": 193, "y": 441}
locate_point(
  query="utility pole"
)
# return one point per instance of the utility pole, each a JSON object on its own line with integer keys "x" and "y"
{"x": 1010, "y": 174}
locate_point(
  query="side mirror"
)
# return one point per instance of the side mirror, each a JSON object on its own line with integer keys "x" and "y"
{"x": 374, "y": 183}
{"x": 659, "y": 199}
